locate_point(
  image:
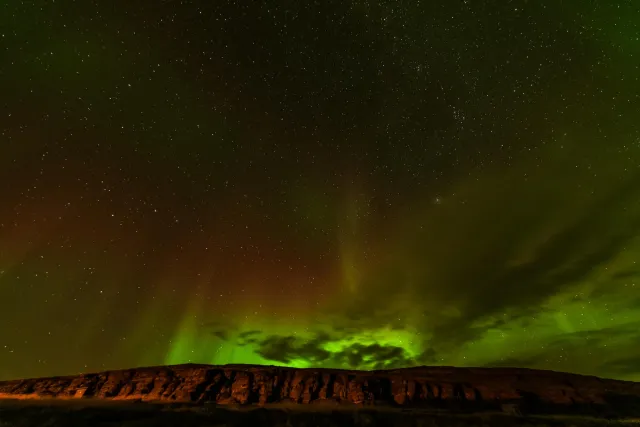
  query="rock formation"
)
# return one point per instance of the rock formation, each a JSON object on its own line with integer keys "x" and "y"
{"x": 465, "y": 390}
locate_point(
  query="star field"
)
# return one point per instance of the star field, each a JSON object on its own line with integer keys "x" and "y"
{"x": 335, "y": 184}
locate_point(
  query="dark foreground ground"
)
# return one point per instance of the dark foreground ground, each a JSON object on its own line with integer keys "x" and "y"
{"x": 123, "y": 414}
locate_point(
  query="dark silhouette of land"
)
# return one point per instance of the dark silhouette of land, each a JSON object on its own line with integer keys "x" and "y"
{"x": 204, "y": 395}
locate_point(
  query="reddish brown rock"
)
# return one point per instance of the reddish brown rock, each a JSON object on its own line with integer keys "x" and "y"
{"x": 470, "y": 390}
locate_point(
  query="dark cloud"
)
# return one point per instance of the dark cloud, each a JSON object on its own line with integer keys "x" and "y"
{"x": 222, "y": 334}
{"x": 504, "y": 284}
{"x": 248, "y": 337}
{"x": 218, "y": 329}
{"x": 376, "y": 356}
{"x": 631, "y": 274}
{"x": 484, "y": 270}
{"x": 566, "y": 258}
{"x": 623, "y": 366}
{"x": 428, "y": 357}
{"x": 286, "y": 349}
{"x": 629, "y": 332}
{"x": 603, "y": 346}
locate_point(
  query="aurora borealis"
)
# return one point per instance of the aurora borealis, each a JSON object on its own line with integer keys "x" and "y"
{"x": 345, "y": 183}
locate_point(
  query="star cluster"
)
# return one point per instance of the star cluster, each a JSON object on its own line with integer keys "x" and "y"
{"x": 344, "y": 183}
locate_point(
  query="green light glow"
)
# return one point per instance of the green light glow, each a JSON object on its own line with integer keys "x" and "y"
{"x": 415, "y": 183}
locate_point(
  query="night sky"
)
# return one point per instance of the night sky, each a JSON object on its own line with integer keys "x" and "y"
{"x": 336, "y": 183}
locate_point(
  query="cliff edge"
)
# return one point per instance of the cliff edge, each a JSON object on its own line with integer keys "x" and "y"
{"x": 441, "y": 389}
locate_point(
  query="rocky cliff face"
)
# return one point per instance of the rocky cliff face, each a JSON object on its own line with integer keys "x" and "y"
{"x": 439, "y": 388}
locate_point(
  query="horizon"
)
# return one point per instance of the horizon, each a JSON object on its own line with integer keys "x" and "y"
{"x": 242, "y": 366}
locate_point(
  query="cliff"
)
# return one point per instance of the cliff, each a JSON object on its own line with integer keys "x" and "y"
{"x": 441, "y": 389}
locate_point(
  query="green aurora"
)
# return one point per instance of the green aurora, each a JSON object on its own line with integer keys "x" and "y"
{"x": 346, "y": 184}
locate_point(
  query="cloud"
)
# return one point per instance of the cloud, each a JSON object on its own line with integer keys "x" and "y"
{"x": 220, "y": 333}
{"x": 287, "y": 349}
{"x": 490, "y": 257}
{"x": 248, "y": 337}
{"x": 629, "y": 274}
{"x": 612, "y": 351}
{"x": 628, "y": 331}
{"x": 220, "y": 330}
{"x": 493, "y": 266}
{"x": 375, "y": 356}
{"x": 487, "y": 263}
{"x": 623, "y": 366}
